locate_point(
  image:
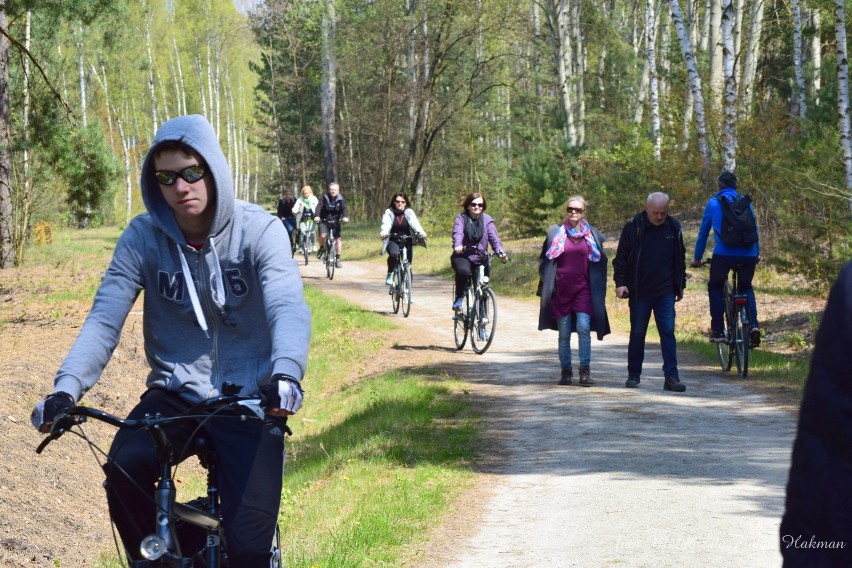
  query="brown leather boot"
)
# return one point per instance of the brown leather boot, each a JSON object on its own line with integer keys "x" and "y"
{"x": 585, "y": 378}
{"x": 567, "y": 375}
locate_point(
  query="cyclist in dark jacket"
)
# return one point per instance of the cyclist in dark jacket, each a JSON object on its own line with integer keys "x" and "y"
{"x": 331, "y": 207}
{"x": 818, "y": 515}
{"x": 650, "y": 269}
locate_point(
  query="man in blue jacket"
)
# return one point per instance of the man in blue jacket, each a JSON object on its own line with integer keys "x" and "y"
{"x": 743, "y": 259}
{"x": 221, "y": 304}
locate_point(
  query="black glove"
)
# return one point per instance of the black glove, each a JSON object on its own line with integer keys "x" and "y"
{"x": 282, "y": 392}
{"x": 45, "y": 411}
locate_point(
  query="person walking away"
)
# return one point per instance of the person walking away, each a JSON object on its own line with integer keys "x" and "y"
{"x": 285, "y": 212}
{"x": 473, "y": 231}
{"x": 572, "y": 268}
{"x": 816, "y": 529}
{"x": 304, "y": 211}
{"x": 399, "y": 218}
{"x": 221, "y": 304}
{"x": 649, "y": 270}
{"x": 725, "y": 258}
{"x": 331, "y": 207}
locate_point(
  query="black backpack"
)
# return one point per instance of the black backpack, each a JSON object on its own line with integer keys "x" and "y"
{"x": 739, "y": 227}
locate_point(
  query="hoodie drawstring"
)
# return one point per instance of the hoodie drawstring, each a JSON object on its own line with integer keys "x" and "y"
{"x": 218, "y": 291}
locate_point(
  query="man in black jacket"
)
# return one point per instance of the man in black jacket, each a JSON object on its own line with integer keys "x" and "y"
{"x": 817, "y": 526}
{"x": 650, "y": 269}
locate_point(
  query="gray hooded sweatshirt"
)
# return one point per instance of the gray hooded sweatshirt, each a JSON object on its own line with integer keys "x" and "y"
{"x": 233, "y": 311}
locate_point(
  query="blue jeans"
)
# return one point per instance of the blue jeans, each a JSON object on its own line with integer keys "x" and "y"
{"x": 584, "y": 337}
{"x": 719, "y": 269}
{"x": 664, "y": 316}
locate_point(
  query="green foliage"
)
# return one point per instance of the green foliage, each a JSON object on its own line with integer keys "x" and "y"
{"x": 90, "y": 170}
{"x": 540, "y": 192}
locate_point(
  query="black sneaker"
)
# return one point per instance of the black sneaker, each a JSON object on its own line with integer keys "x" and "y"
{"x": 718, "y": 337}
{"x": 632, "y": 382}
{"x": 673, "y": 384}
{"x": 754, "y": 337}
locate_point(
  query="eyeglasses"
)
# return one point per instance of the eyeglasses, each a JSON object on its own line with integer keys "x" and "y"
{"x": 575, "y": 210}
{"x": 399, "y": 200}
{"x": 190, "y": 175}
{"x": 476, "y": 205}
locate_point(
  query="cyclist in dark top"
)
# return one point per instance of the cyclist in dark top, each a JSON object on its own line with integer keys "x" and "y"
{"x": 331, "y": 207}
{"x": 285, "y": 212}
{"x": 398, "y": 218}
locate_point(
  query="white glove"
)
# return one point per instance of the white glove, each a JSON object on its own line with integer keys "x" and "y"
{"x": 282, "y": 393}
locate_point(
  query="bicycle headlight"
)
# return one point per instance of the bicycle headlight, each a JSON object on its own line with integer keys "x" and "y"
{"x": 152, "y": 547}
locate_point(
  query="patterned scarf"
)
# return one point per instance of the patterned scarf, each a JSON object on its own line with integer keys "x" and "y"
{"x": 582, "y": 230}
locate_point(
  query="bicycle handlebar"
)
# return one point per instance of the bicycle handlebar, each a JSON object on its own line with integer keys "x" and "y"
{"x": 77, "y": 415}
{"x": 504, "y": 257}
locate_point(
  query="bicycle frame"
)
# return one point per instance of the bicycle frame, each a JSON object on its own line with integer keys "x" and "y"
{"x": 479, "y": 317}
{"x": 162, "y": 548}
{"x": 400, "y": 289}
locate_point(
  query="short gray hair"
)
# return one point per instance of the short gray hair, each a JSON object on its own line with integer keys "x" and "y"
{"x": 657, "y": 197}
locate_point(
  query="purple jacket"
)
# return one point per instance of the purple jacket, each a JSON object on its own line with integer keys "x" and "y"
{"x": 488, "y": 236}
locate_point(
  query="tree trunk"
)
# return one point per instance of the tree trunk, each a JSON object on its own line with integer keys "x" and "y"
{"x": 816, "y": 56}
{"x": 717, "y": 71}
{"x": 650, "y": 26}
{"x": 697, "y": 96}
{"x": 842, "y": 92}
{"x": 751, "y": 55}
{"x": 729, "y": 131}
{"x": 154, "y": 122}
{"x": 579, "y": 69}
{"x": 81, "y": 71}
{"x": 21, "y": 221}
{"x": 7, "y": 252}
{"x": 565, "y": 68}
{"x": 328, "y": 93}
{"x": 798, "y": 106}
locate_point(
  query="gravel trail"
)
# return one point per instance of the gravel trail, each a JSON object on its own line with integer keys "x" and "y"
{"x": 599, "y": 476}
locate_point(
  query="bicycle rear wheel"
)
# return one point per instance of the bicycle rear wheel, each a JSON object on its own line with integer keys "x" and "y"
{"x": 396, "y": 289}
{"x": 460, "y": 326}
{"x": 726, "y": 354}
{"x": 405, "y": 290}
{"x": 484, "y": 321}
{"x": 743, "y": 341}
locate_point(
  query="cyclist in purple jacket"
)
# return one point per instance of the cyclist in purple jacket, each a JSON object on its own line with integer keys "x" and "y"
{"x": 473, "y": 230}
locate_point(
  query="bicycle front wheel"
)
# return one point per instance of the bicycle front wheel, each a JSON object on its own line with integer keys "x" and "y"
{"x": 460, "y": 326}
{"x": 484, "y": 322}
{"x": 306, "y": 249}
{"x": 742, "y": 345}
{"x": 405, "y": 291}
{"x": 396, "y": 288}
{"x": 329, "y": 262}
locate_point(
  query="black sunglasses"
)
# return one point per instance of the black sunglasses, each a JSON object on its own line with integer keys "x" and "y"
{"x": 575, "y": 210}
{"x": 190, "y": 174}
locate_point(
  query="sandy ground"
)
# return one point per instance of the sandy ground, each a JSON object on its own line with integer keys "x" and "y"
{"x": 600, "y": 476}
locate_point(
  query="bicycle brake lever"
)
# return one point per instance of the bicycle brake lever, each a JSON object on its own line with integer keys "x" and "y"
{"x": 255, "y": 406}
{"x": 60, "y": 425}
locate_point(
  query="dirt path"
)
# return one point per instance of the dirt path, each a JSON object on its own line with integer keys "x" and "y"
{"x": 594, "y": 476}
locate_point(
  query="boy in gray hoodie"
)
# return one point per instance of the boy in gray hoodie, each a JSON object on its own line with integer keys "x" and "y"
{"x": 221, "y": 304}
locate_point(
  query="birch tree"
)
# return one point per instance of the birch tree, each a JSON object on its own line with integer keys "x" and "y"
{"x": 729, "y": 131}
{"x": 751, "y": 55}
{"x": 650, "y": 25}
{"x": 799, "y": 107}
{"x": 694, "y": 81}
{"x": 843, "y": 92}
